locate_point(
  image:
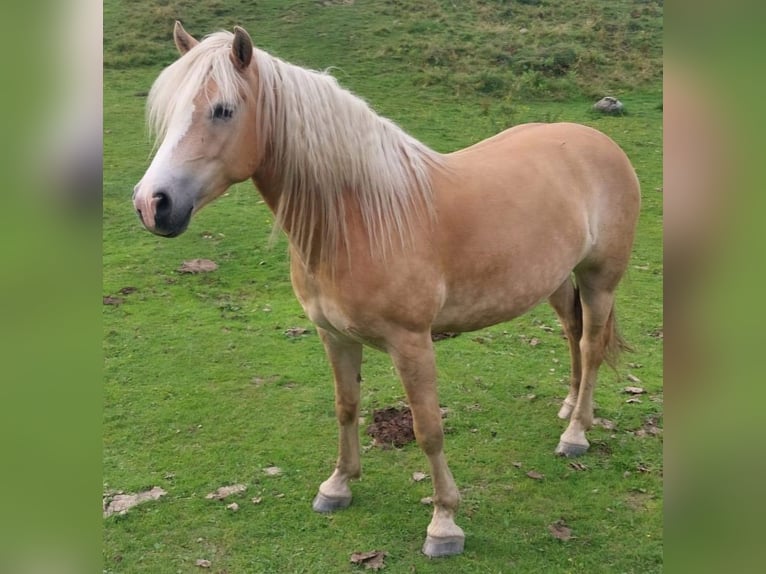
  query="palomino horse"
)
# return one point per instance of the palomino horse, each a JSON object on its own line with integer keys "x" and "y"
{"x": 390, "y": 240}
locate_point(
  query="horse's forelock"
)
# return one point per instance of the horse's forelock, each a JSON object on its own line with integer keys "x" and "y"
{"x": 177, "y": 86}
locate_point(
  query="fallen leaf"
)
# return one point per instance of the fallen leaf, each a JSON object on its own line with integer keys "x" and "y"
{"x": 560, "y": 530}
{"x": 516, "y": 464}
{"x": 604, "y": 423}
{"x": 534, "y": 341}
{"x": 635, "y": 365}
{"x": 198, "y": 266}
{"x": 535, "y": 475}
{"x": 372, "y": 560}
{"x": 259, "y": 381}
{"x": 225, "y": 491}
{"x": 257, "y": 500}
{"x": 441, "y": 336}
{"x": 233, "y": 506}
{"x": 649, "y": 428}
{"x": 111, "y": 300}
{"x": 427, "y": 500}
{"x": 634, "y": 390}
{"x": 120, "y": 503}
{"x": 578, "y": 465}
{"x": 296, "y": 331}
{"x": 419, "y": 476}
{"x": 202, "y": 563}
{"x": 272, "y": 471}
{"x": 127, "y": 290}
{"x": 633, "y": 400}
{"x": 633, "y": 378}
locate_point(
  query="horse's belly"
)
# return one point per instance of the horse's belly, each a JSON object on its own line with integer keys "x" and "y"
{"x": 475, "y": 307}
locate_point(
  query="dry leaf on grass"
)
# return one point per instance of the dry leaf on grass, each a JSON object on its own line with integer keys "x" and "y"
{"x": 604, "y": 423}
{"x": 272, "y": 471}
{"x": 225, "y": 491}
{"x": 296, "y": 332}
{"x": 233, "y": 506}
{"x": 372, "y": 560}
{"x": 427, "y": 500}
{"x": 560, "y": 530}
{"x": 634, "y": 390}
{"x": 649, "y": 428}
{"x": 198, "y": 266}
{"x": 533, "y": 474}
{"x": 120, "y": 503}
{"x": 202, "y": 563}
{"x": 419, "y": 476}
{"x": 441, "y": 336}
{"x": 578, "y": 465}
{"x": 111, "y": 300}
{"x": 633, "y": 378}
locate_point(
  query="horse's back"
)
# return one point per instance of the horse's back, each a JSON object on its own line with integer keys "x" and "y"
{"x": 519, "y": 211}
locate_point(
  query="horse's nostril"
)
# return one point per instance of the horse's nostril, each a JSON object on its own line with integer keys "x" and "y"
{"x": 162, "y": 206}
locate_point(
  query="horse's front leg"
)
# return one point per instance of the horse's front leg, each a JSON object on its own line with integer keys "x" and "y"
{"x": 346, "y": 360}
{"x": 413, "y": 357}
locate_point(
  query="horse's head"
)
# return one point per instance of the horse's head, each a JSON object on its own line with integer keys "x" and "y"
{"x": 202, "y": 109}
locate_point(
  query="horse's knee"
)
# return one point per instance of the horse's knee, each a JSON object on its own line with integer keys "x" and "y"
{"x": 346, "y": 412}
{"x": 430, "y": 437}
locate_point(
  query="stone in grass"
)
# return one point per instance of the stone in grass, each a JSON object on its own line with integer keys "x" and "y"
{"x": 609, "y": 105}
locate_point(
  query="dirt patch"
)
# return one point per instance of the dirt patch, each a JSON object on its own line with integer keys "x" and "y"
{"x": 391, "y": 427}
{"x": 637, "y": 500}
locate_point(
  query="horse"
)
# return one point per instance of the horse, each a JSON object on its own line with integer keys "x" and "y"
{"x": 391, "y": 241}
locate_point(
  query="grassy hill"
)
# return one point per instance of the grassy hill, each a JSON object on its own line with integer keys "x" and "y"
{"x": 530, "y": 49}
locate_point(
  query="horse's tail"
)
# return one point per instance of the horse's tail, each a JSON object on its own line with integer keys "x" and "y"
{"x": 614, "y": 343}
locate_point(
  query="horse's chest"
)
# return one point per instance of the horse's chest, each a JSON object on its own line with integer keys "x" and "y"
{"x": 323, "y": 309}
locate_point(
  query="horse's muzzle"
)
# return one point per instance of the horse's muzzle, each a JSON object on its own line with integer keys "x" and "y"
{"x": 162, "y": 215}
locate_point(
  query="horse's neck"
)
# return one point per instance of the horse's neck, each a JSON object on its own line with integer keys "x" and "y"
{"x": 265, "y": 180}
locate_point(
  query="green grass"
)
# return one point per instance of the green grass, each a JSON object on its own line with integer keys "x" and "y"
{"x": 202, "y": 388}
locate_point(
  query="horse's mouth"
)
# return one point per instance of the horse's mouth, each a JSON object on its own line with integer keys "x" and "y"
{"x": 173, "y": 226}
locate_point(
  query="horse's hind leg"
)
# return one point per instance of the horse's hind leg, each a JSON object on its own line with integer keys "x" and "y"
{"x": 598, "y": 335}
{"x": 566, "y": 302}
{"x": 346, "y": 360}
{"x": 413, "y": 356}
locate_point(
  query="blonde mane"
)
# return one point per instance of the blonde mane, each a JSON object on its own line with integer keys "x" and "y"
{"x": 326, "y": 145}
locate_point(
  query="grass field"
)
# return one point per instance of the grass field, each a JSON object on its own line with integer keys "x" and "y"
{"x": 203, "y": 387}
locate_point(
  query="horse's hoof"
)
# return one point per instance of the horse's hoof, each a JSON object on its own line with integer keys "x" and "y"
{"x": 448, "y": 546}
{"x": 324, "y": 503}
{"x": 570, "y": 449}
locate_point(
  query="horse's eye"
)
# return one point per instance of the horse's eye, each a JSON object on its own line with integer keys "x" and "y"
{"x": 222, "y": 112}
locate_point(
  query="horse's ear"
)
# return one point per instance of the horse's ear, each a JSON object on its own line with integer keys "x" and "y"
{"x": 184, "y": 41}
{"x": 241, "y": 48}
